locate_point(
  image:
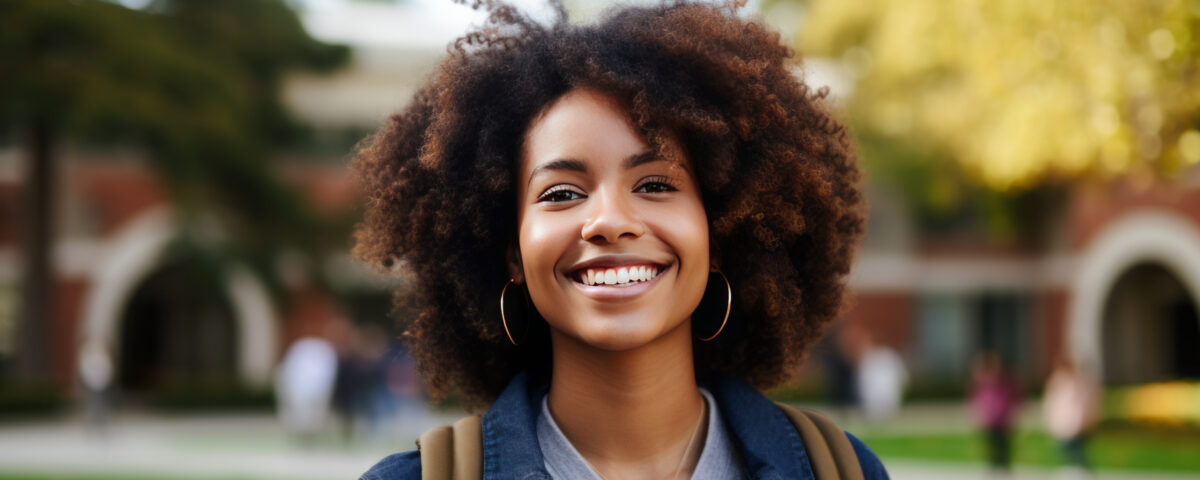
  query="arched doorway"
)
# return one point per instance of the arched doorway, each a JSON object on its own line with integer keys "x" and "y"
{"x": 135, "y": 254}
{"x": 177, "y": 331}
{"x": 1157, "y": 247}
{"x": 1151, "y": 328}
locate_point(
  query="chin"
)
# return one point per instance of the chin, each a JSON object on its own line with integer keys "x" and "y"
{"x": 620, "y": 333}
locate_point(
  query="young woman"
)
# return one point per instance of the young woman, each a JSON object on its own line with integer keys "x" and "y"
{"x": 618, "y": 231}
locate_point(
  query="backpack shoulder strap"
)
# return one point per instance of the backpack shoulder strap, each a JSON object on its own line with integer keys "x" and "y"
{"x": 453, "y": 452}
{"x": 830, "y": 451}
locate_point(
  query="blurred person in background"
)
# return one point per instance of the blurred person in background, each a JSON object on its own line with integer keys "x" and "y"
{"x": 304, "y": 385}
{"x": 618, "y": 233}
{"x": 995, "y": 398}
{"x": 96, "y": 374}
{"x": 403, "y": 385}
{"x": 881, "y": 377}
{"x": 840, "y": 383}
{"x": 1071, "y": 407}
{"x": 377, "y": 403}
{"x": 360, "y": 383}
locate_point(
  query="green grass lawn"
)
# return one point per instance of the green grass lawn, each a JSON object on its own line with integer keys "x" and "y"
{"x": 1113, "y": 447}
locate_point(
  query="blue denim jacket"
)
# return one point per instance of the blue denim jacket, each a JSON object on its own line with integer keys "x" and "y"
{"x": 768, "y": 443}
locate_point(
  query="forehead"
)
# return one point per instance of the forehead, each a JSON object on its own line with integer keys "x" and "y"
{"x": 582, "y": 124}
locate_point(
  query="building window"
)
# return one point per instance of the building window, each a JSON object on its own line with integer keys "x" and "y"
{"x": 954, "y": 327}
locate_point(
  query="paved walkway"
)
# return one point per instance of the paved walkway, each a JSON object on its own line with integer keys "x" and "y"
{"x": 250, "y": 446}
{"x": 253, "y": 446}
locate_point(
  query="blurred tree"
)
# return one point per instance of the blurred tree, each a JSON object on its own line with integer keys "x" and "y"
{"x": 194, "y": 82}
{"x": 1024, "y": 91}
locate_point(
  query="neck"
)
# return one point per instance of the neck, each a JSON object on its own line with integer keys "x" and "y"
{"x": 630, "y": 413}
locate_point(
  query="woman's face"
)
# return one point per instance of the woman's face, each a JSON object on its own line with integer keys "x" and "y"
{"x": 613, "y": 238}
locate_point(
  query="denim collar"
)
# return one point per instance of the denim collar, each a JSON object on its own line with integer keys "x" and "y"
{"x": 766, "y": 439}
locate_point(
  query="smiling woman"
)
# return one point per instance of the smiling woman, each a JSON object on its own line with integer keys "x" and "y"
{"x": 600, "y": 203}
{"x": 618, "y": 231}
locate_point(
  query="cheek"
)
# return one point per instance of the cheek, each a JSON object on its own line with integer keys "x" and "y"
{"x": 543, "y": 241}
{"x": 697, "y": 235}
{"x": 686, "y": 229}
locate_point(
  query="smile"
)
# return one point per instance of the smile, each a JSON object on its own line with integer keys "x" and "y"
{"x": 621, "y": 276}
{"x": 617, "y": 283}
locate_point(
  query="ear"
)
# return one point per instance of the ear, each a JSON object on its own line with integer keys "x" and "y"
{"x": 515, "y": 269}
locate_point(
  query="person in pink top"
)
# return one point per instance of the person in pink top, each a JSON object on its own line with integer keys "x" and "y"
{"x": 994, "y": 401}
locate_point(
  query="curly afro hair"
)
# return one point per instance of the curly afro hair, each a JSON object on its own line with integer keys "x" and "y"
{"x": 778, "y": 176}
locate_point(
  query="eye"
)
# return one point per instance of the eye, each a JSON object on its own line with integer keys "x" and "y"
{"x": 560, "y": 193}
{"x": 655, "y": 184}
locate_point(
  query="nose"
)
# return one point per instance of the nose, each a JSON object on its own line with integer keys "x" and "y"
{"x": 612, "y": 217}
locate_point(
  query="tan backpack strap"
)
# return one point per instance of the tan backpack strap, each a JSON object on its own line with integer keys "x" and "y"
{"x": 453, "y": 452}
{"x": 437, "y": 453}
{"x": 829, "y": 450}
{"x": 468, "y": 448}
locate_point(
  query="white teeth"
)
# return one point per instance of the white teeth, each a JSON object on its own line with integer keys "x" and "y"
{"x": 617, "y": 276}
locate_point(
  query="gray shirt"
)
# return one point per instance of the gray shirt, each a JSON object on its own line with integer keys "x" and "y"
{"x": 718, "y": 461}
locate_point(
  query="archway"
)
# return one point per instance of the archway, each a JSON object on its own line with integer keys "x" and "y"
{"x": 1151, "y": 329}
{"x": 1155, "y": 237}
{"x": 177, "y": 330}
{"x": 134, "y": 254}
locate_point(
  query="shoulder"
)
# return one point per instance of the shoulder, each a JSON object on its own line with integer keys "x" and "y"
{"x": 400, "y": 466}
{"x": 872, "y": 468}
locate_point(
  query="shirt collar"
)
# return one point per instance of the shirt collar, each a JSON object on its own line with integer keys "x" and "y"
{"x": 510, "y": 446}
{"x": 769, "y": 444}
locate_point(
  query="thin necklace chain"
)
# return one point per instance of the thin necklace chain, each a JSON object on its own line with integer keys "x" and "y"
{"x": 686, "y": 450}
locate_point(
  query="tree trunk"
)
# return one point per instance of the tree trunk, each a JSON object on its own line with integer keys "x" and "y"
{"x": 37, "y": 286}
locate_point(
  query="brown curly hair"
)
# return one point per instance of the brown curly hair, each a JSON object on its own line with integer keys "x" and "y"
{"x": 778, "y": 175}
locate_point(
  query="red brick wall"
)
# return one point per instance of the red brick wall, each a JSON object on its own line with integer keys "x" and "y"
{"x": 888, "y": 316}
{"x": 10, "y": 213}
{"x": 1052, "y": 323}
{"x": 312, "y": 314}
{"x": 1094, "y": 208}
{"x": 118, "y": 193}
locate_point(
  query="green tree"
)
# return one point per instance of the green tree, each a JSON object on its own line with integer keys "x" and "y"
{"x": 194, "y": 82}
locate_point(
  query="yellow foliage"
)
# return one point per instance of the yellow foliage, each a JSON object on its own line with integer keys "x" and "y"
{"x": 1170, "y": 402}
{"x": 1019, "y": 90}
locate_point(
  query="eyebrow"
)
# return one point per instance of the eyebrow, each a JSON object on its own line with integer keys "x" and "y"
{"x": 573, "y": 165}
{"x": 567, "y": 164}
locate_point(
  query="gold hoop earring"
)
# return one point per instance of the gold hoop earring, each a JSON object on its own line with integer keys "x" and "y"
{"x": 728, "y": 307}
{"x": 504, "y": 317}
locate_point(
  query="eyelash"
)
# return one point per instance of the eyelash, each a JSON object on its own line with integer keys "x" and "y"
{"x": 550, "y": 193}
{"x": 663, "y": 184}
{"x": 666, "y": 183}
